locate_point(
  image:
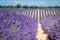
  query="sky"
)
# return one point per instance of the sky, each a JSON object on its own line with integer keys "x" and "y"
{"x": 31, "y": 2}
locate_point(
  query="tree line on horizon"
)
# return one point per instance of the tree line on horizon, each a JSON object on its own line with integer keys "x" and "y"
{"x": 26, "y": 6}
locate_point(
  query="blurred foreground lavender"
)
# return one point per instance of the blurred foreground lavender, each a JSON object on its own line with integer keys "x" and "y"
{"x": 51, "y": 27}
{"x": 17, "y": 27}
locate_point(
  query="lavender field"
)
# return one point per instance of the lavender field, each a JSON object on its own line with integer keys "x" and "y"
{"x": 22, "y": 23}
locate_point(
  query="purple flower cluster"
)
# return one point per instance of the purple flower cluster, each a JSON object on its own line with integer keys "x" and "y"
{"x": 17, "y": 27}
{"x": 54, "y": 32}
{"x": 51, "y": 26}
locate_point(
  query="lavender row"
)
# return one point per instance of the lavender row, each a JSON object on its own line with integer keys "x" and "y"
{"x": 17, "y": 27}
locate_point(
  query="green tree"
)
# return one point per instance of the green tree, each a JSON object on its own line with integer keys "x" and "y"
{"x": 18, "y": 6}
{"x": 57, "y": 7}
{"x": 25, "y": 6}
{"x": 31, "y": 6}
{"x": 0, "y": 6}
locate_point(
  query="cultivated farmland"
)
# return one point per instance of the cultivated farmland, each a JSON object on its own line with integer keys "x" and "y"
{"x": 22, "y": 24}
